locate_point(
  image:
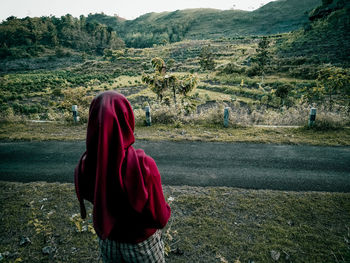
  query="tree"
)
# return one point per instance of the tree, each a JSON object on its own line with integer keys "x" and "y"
{"x": 283, "y": 92}
{"x": 206, "y": 58}
{"x": 334, "y": 81}
{"x": 262, "y": 57}
{"x": 160, "y": 82}
{"x": 159, "y": 65}
{"x": 28, "y": 36}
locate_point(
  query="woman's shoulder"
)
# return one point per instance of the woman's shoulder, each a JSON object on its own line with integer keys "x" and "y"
{"x": 143, "y": 157}
{"x": 147, "y": 162}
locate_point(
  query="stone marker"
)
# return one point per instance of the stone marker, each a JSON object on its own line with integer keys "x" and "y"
{"x": 226, "y": 116}
{"x": 148, "y": 116}
{"x": 312, "y": 117}
{"x": 75, "y": 113}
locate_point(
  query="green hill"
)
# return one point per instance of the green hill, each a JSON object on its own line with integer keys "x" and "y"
{"x": 326, "y": 38}
{"x": 156, "y": 28}
{"x": 31, "y": 37}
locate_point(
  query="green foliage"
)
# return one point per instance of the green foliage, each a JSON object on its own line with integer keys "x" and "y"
{"x": 76, "y": 96}
{"x": 262, "y": 57}
{"x": 170, "y": 63}
{"x": 57, "y": 92}
{"x": 26, "y": 109}
{"x": 254, "y": 70}
{"x": 148, "y": 31}
{"x": 234, "y": 90}
{"x": 327, "y": 7}
{"x": 157, "y": 84}
{"x": 113, "y": 55}
{"x": 187, "y": 84}
{"x": 313, "y": 94}
{"x": 99, "y": 31}
{"x": 283, "y": 92}
{"x": 160, "y": 82}
{"x": 169, "y": 27}
{"x": 326, "y": 38}
{"x": 31, "y": 35}
{"x": 60, "y": 53}
{"x": 334, "y": 81}
{"x": 159, "y": 65}
{"x": 206, "y": 58}
{"x": 232, "y": 68}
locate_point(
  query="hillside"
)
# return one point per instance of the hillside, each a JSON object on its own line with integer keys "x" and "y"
{"x": 326, "y": 38}
{"x": 157, "y": 28}
{"x": 32, "y": 37}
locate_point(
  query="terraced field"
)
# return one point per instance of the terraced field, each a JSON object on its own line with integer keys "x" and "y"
{"x": 31, "y": 92}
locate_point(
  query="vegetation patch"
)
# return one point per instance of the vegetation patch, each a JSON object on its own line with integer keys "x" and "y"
{"x": 39, "y": 131}
{"x": 208, "y": 224}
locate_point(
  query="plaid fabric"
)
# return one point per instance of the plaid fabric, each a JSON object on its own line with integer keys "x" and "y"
{"x": 151, "y": 250}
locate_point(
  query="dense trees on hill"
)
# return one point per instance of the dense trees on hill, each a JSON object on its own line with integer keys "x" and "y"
{"x": 28, "y": 36}
{"x": 326, "y": 38}
{"x": 204, "y": 23}
{"x": 144, "y": 31}
{"x": 156, "y": 33}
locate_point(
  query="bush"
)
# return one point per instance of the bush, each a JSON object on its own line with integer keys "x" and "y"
{"x": 4, "y": 52}
{"x": 164, "y": 115}
{"x": 60, "y": 53}
{"x": 326, "y": 124}
{"x": 304, "y": 72}
{"x": 76, "y": 96}
{"x": 7, "y": 114}
{"x": 57, "y": 92}
{"x": 232, "y": 68}
{"x": 254, "y": 70}
{"x": 26, "y": 109}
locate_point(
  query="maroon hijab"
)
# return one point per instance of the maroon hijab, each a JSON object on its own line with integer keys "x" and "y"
{"x": 110, "y": 170}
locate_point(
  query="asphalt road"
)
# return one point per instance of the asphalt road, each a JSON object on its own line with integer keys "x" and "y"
{"x": 257, "y": 166}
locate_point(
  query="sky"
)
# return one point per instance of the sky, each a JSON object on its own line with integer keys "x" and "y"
{"x": 129, "y": 9}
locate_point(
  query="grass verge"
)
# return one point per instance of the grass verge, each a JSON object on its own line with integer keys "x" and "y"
{"x": 28, "y": 131}
{"x": 208, "y": 224}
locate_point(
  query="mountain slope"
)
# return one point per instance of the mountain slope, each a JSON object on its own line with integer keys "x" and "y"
{"x": 326, "y": 38}
{"x": 156, "y": 28}
{"x": 29, "y": 37}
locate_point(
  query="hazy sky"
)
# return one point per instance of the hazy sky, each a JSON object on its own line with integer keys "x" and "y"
{"x": 129, "y": 9}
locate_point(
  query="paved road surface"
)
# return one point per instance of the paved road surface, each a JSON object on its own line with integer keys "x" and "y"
{"x": 259, "y": 166}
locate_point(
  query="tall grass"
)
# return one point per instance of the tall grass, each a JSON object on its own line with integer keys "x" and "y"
{"x": 249, "y": 115}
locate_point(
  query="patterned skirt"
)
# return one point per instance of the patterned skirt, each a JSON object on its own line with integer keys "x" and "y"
{"x": 151, "y": 250}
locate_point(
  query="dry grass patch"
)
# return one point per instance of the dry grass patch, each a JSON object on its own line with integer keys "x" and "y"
{"x": 28, "y": 131}
{"x": 208, "y": 224}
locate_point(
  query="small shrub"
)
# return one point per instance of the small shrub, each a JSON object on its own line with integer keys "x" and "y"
{"x": 164, "y": 115}
{"x": 8, "y": 114}
{"x": 325, "y": 125}
{"x": 57, "y": 92}
{"x": 232, "y": 68}
{"x": 252, "y": 71}
{"x": 60, "y": 53}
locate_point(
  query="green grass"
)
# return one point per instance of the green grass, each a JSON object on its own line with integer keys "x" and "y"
{"x": 235, "y": 90}
{"x": 28, "y": 131}
{"x": 208, "y": 224}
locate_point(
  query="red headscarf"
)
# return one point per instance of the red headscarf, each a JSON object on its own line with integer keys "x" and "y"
{"x": 110, "y": 169}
